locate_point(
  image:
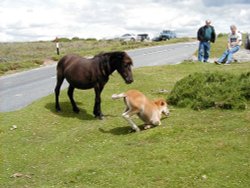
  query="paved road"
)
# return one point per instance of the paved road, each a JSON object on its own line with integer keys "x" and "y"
{"x": 20, "y": 89}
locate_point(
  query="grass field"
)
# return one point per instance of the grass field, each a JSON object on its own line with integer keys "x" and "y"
{"x": 21, "y": 56}
{"x": 208, "y": 148}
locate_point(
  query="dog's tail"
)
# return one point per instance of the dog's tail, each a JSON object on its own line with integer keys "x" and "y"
{"x": 118, "y": 96}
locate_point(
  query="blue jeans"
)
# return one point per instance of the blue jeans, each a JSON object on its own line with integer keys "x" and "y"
{"x": 204, "y": 51}
{"x": 228, "y": 55}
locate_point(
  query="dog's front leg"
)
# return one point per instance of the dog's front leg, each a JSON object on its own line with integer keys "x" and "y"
{"x": 133, "y": 125}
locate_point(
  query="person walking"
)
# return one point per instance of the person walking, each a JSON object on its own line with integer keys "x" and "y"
{"x": 205, "y": 35}
{"x": 57, "y": 46}
{"x": 233, "y": 45}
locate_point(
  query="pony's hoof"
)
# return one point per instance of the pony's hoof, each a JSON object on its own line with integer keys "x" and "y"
{"x": 58, "y": 110}
{"x": 76, "y": 110}
{"x": 134, "y": 130}
{"x": 147, "y": 127}
{"x": 137, "y": 130}
{"x": 100, "y": 117}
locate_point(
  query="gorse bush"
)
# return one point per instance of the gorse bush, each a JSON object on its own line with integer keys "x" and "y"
{"x": 206, "y": 90}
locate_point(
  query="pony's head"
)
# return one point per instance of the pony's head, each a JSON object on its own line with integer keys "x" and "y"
{"x": 123, "y": 64}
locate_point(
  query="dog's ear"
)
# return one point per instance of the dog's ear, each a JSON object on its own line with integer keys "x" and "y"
{"x": 163, "y": 103}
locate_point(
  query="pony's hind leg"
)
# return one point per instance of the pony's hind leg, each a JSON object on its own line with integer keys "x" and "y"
{"x": 70, "y": 94}
{"x": 57, "y": 91}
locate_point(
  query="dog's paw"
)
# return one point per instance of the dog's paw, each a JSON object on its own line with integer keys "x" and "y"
{"x": 147, "y": 127}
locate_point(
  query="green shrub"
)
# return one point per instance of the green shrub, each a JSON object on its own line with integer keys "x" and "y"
{"x": 64, "y": 39}
{"x": 56, "y": 58}
{"x": 38, "y": 61}
{"x": 75, "y": 39}
{"x": 91, "y": 39}
{"x": 245, "y": 85}
{"x": 206, "y": 90}
{"x": 222, "y": 35}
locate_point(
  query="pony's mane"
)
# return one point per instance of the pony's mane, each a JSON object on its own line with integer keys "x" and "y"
{"x": 107, "y": 53}
{"x": 100, "y": 54}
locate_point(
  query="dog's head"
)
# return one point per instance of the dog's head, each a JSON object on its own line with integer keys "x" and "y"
{"x": 162, "y": 106}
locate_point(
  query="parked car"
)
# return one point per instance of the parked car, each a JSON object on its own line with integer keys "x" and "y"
{"x": 128, "y": 37}
{"x": 142, "y": 37}
{"x": 165, "y": 35}
{"x": 247, "y": 43}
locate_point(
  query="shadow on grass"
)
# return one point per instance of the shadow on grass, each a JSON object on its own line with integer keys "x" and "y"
{"x": 121, "y": 130}
{"x": 68, "y": 112}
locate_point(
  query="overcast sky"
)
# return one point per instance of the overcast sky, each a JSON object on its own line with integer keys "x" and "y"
{"x": 31, "y": 20}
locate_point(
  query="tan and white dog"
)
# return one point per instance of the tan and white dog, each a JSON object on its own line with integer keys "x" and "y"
{"x": 147, "y": 110}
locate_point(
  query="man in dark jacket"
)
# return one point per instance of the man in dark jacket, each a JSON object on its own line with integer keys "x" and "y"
{"x": 205, "y": 35}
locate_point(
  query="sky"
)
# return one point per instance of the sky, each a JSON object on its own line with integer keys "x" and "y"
{"x": 32, "y": 20}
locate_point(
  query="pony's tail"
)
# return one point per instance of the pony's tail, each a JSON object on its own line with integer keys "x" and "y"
{"x": 60, "y": 63}
{"x": 118, "y": 96}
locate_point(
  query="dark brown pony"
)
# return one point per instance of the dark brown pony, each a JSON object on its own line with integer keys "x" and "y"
{"x": 82, "y": 73}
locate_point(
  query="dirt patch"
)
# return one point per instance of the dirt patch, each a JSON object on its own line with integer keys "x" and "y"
{"x": 48, "y": 62}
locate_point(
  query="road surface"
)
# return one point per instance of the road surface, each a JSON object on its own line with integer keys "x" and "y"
{"x": 20, "y": 89}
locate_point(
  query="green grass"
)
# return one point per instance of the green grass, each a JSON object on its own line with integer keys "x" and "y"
{"x": 207, "y": 148}
{"x": 219, "y": 46}
{"x": 25, "y": 55}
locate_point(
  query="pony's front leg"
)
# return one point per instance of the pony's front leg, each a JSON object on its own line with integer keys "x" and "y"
{"x": 127, "y": 116}
{"x": 97, "y": 108}
{"x": 60, "y": 79}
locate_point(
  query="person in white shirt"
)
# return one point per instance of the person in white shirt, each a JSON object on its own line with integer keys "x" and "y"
{"x": 233, "y": 46}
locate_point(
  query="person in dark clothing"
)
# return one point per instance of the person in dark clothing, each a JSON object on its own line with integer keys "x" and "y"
{"x": 205, "y": 35}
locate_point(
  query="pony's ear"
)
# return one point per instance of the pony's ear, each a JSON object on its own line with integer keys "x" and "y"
{"x": 120, "y": 55}
{"x": 117, "y": 56}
